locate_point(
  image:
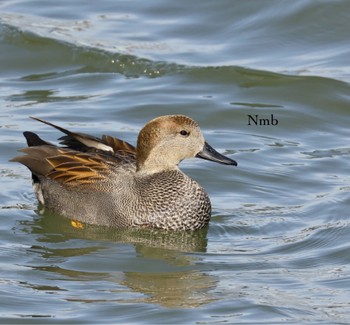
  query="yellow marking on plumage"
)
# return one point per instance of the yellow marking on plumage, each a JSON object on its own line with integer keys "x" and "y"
{"x": 76, "y": 224}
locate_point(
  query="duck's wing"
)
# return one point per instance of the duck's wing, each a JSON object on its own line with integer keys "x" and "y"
{"x": 118, "y": 145}
{"x": 74, "y": 168}
{"x": 66, "y": 166}
{"x": 85, "y": 142}
{"x": 100, "y": 159}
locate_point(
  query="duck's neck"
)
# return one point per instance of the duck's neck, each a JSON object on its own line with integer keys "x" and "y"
{"x": 152, "y": 166}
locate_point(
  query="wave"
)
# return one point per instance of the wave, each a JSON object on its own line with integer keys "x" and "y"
{"x": 133, "y": 59}
{"x": 91, "y": 55}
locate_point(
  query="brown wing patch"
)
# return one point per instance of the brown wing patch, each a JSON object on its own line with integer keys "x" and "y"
{"x": 118, "y": 145}
{"x": 76, "y": 168}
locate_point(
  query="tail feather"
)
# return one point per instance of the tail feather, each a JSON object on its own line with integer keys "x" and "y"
{"x": 34, "y": 140}
{"x": 36, "y": 158}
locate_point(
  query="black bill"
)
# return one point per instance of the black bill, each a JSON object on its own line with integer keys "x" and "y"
{"x": 209, "y": 153}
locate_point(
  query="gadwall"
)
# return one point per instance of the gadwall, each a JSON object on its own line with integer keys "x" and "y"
{"x": 109, "y": 182}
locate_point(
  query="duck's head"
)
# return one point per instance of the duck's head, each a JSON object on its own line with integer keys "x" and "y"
{"x": 166, "y": 140}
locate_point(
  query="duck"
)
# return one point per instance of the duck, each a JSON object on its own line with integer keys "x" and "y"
{"x": 109, "y": 182}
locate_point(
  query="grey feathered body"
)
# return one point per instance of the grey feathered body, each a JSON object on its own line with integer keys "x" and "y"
{"x": 166, "y": 200}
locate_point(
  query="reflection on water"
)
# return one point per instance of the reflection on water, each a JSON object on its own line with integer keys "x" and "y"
{"x": 166, "y": 276}
{"x": 190, "y": 241}
{"x": 174, "y": 289}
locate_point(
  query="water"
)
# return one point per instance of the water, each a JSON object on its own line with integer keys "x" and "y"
{"x": 277, "y": 247}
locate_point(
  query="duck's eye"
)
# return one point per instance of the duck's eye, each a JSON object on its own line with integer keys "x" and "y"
{"x": 184, "y": 133}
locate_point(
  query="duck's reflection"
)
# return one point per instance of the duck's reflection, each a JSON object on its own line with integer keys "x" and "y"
{"x": 172, "y": 289}
{"x": 160, "y": 268}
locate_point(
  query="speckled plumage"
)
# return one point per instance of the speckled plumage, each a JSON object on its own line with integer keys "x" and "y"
{"x": 109, "y": 182}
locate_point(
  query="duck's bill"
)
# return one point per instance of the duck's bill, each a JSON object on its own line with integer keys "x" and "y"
{"x": 209, "y": 153}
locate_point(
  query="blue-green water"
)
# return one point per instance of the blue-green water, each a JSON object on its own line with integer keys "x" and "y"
{"x": 277, "y": 249}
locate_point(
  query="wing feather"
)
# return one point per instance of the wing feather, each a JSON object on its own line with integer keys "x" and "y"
{"x": 77, "y": 168}
{"x": 118, "y": 145}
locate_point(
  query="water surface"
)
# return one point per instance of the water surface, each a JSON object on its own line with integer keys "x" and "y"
{"x": 277, "y": 247}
